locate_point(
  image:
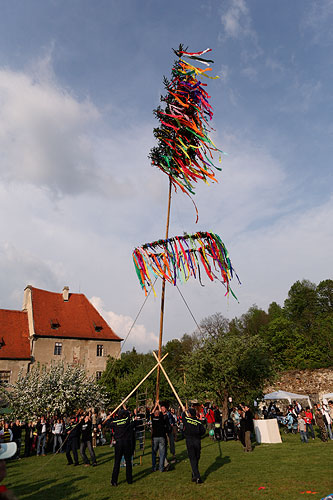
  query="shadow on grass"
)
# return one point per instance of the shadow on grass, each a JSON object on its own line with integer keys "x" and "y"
{"x": 51, "y": 489}
{"x": 219, "y": 462}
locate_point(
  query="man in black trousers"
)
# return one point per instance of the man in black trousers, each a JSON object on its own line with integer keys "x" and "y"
{"x": 122, "y": 427}
{"x": 193, "y": 431}
{"x": 72, "y": 444}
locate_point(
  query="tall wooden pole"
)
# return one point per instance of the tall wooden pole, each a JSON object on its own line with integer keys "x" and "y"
{"x": 162, "y": 303}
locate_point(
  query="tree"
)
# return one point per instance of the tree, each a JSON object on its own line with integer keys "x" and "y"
{"x": 325, "y": 296}
{"x": 228, "y": 365}
{"x": 214, "y": 326}
{"x": 58, "y": 389}
{"x": 254, "y": 320}
{"x": 301, "y": 306}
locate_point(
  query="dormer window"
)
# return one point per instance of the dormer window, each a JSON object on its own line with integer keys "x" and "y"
{"x": 54, "y": 324}
{"x": 98, "y": 328}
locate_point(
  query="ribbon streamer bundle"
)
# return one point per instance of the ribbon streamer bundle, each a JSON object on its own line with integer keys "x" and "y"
{"x": 181, "y": 257}
{"x": 185, "y": 151}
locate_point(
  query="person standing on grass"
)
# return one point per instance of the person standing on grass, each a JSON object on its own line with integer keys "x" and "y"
{"x": 158, "y": 437}
{"x": 41, "y": 435}
{"x": 327, "y": 420}
{"x": 210, "y": 417}
{"x": 122, "y": 427}
{"x": 72, "y": 443}
{"x": 309, "y": 422}
{"x": 86, "y": 441}
{"x": 320, "y": 422}
{"x": 193, "y": 431}
{"x": 248, "y": 428}
{"x": 302, "y": 427}
{"x": 57, "y": 431}
{"x": 169, "y": 433}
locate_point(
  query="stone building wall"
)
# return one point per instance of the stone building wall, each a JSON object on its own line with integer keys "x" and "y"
{"x": 10, "y": 369}
{"x": 75, "y": 351}
{"x": 314, "y": 383}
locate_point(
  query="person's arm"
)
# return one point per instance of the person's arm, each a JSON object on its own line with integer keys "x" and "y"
{"x": 157, "y": 406}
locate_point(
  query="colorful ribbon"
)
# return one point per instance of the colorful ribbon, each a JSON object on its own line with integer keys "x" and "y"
{"x": 184, "y": 151}
{"x": 181, "y": 257}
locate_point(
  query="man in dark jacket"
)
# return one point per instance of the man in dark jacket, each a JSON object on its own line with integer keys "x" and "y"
{"x": 122, "y": 427}
{"x": 86, "y": 440}
{"x": 248, "y": 428}
{"x": 193, "y": 431}
{"x": 72, "y": 443}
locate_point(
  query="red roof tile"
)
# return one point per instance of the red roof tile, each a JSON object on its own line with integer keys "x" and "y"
{"x": 14, "y": 330}
{"x": 76, "y": 318}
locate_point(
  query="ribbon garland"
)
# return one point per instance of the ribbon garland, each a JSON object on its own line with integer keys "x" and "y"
{"x": 181, "y": 257}
{"x": 185, "y": 151}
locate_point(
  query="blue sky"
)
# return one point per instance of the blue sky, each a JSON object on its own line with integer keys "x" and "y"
{"x": 78, "y": 83}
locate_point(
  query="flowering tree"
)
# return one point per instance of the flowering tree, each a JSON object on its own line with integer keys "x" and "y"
{"x": 49, "y": 390}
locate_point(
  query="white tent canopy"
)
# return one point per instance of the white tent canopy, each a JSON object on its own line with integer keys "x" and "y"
{"x": 327, "y": 397}
{"x": 290, "y": 396}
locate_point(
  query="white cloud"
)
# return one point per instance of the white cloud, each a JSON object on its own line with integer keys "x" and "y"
{"x": 318, "y": 21}
{"x": 44, "y": 134}
{"x": 250, "y": 72}
{"x": 236, "y": 20}
{"x": 138, "y": 336}
{"x": 20, "y": 268}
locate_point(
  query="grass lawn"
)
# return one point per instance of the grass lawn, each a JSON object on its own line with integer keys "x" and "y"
{"x": 284, "y": 470}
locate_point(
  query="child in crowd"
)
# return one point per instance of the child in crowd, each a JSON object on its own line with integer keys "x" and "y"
{"x": 302, "y": 427}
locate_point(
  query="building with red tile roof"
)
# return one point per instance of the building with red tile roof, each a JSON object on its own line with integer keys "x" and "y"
{"x": 14, "y": 344}
{"x": 55, "y": 327}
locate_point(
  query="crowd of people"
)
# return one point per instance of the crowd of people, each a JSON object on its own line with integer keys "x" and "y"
{"x": 85, "y": 430}
{"x": 298, "y": 419}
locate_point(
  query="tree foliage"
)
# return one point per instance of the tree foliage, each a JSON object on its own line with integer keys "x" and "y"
{"x": 228, "y": 364}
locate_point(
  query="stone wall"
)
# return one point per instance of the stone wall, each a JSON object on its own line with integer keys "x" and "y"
{"x": 13, "y": 368}
{"x": 75, "y": 351}
{"x": 314, "y": 383}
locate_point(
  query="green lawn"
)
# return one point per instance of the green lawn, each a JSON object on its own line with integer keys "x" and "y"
{"x": 284, "y": 470}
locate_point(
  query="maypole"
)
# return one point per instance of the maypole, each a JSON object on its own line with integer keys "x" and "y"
{"x": 185, "y": 152}
{"x": 162, "y": 303}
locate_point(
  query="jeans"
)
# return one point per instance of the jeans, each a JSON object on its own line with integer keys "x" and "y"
{"x": 158, "y": 443}
{"x": 56, "y": 439}
{"x": 84, "y": 445}
{"x": 41, "y": 441}
{"x": 329, "y": 430}
{"x": 304, "y": 437}
{"x": 309, "y": 427}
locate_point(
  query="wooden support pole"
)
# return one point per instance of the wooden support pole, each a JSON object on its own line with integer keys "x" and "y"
{"x": 169, "y": 381}
{"x": 135, "y": 388}
{"x": 162, "y": 302}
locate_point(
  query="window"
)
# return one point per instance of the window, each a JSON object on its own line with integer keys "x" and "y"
{"x": 4, "y": 377}
{"x": 98, "y": 376}
{"x": 99, "y": 350}
{"x": 54, "y": 324}
{"x": 57, "y": 348}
